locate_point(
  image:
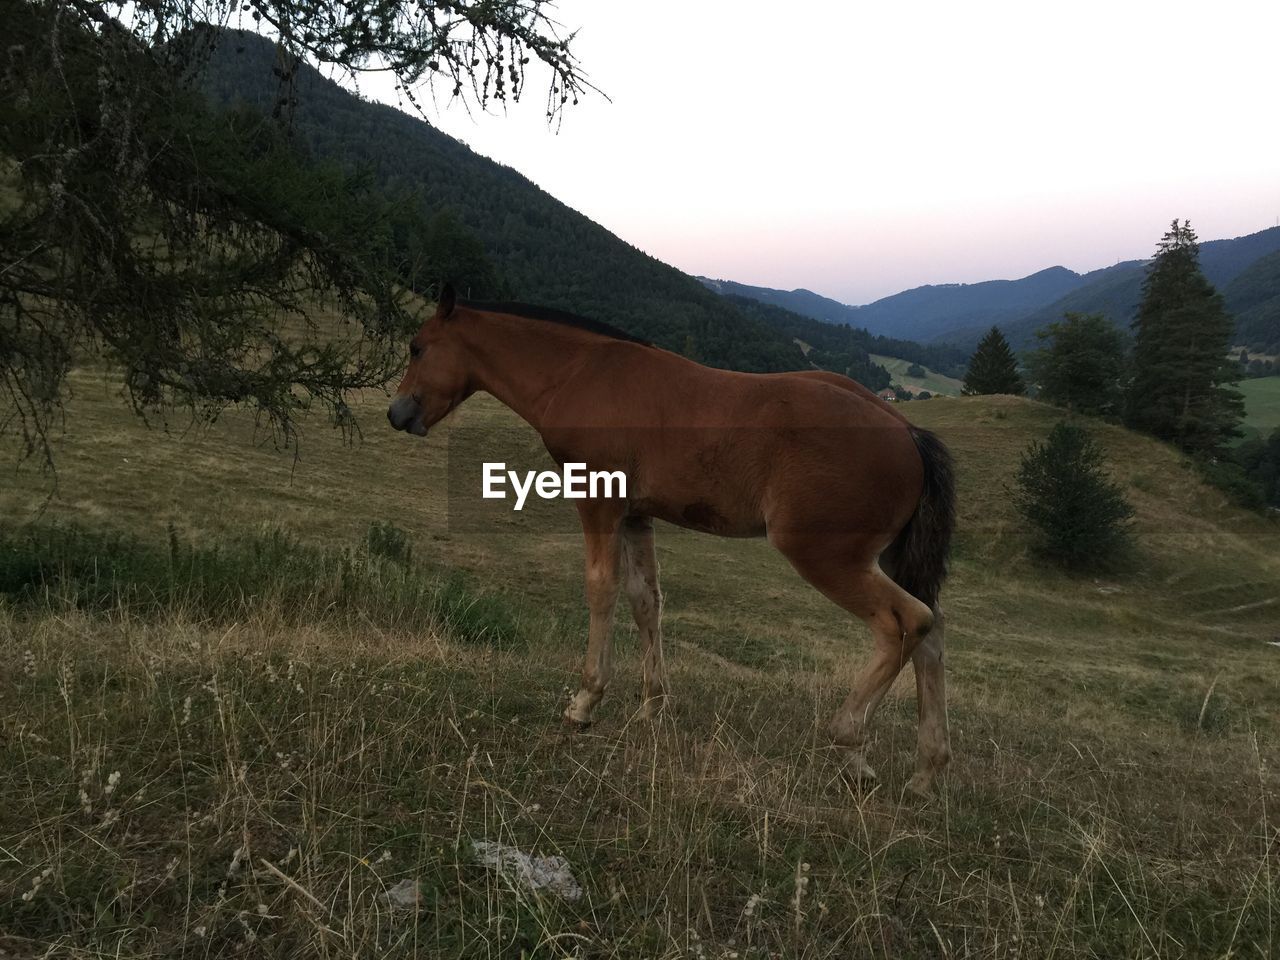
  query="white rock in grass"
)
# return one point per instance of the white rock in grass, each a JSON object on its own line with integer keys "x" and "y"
{"x": 405, "y": 895}
{"x": 551, "y": 874}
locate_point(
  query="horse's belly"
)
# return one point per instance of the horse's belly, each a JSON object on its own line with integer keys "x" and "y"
{"x": 705, "y": 516}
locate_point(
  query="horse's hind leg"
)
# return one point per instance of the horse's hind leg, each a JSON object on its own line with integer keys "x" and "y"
{"x": 931, "y": 692}
{"x": 603, "y": 562}
{"x": 897, "y": 620}
{"x": 641, "y": 581}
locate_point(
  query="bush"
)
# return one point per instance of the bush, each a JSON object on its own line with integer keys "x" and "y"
{"x": 1081, "y": 517}
{"x": 1250, "y": 473}
{"x": 1233, "y": 479}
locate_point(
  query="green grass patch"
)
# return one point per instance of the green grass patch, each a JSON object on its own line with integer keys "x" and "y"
{"x": 274, "y": 669}
{"x": 103, "y": 571}
{"x": 936, "y": 383}
{"x": 1261, "y": 405}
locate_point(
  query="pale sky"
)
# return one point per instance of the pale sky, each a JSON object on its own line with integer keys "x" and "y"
{"x": 858, "y": 149}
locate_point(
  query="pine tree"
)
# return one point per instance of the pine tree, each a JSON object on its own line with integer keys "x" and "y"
{"x": 1181, "y": 371}
{"x": 1063, "y": 490}
{"x": 993, "y": 369}
{"x": 1081, "y": 365}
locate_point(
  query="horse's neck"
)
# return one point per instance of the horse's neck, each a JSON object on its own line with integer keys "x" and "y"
{"x": 522, "y": 362}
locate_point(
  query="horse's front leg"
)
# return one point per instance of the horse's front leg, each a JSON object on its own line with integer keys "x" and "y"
{"x": 601, "y": 529}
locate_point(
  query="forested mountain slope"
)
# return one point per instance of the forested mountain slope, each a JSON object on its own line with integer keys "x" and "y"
{"x": 1246, "y": 270}
{"x": 542, "y": 250}
{"x": 923, "y": 313}
{"x": 1254, "y": 298}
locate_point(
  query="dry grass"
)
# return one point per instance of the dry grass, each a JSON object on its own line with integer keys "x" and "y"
{"x": 1113, "y": 794}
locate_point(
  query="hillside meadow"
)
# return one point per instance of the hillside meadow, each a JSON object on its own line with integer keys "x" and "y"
{"x": 932, "y": 381}
{"x": 1261, "y": 405}
{"x": 245, "y": 691}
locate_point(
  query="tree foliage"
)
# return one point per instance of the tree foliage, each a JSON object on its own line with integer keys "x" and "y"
{"x": 198, "y": 251}
{"x": 1252, "y": 472}
{"x": 1062, "y": 489}
{"x": 1081, "y": 365}
{"x": 993, "y": 367}
{"x": 1181, "y": 372}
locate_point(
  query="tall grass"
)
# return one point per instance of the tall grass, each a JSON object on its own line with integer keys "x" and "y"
{"x": 167, "y": 793}
{"x": 298, "y": 727}
{"x": 375, "y": 581}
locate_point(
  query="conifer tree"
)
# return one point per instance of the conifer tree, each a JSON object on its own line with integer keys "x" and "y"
{"x": 1181, "y": 371}
{"x": 1081, "y": 364}
{"x": 993, "y": 369}
{"x": 1062, "y": 489}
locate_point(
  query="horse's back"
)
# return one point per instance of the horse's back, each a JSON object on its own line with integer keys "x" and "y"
{"x": 736, "y": 453}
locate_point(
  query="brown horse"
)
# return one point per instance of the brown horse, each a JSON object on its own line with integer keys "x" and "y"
{"x": 856, "y": 498}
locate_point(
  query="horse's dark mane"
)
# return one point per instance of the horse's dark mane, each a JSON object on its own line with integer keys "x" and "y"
{"x": 551, "y": 315}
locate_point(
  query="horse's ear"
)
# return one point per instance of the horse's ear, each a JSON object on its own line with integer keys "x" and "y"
{"x": 444, "y": 306}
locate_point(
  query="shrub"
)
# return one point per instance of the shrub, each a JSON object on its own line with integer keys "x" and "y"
{"x": 1080, "y": 516}
{"x": 1233, "y": 479}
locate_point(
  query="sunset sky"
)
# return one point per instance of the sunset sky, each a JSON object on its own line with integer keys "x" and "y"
{"x": 857, "y": 149}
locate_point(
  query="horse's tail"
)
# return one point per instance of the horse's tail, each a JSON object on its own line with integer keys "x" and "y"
{"x": 919, "y": 556}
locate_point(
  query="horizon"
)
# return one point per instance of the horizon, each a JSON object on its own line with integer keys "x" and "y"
{"x": 1027, "y": 138}
{"x": 969, "y": 283}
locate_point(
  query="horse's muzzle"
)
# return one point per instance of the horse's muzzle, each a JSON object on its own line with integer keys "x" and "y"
{"x": 405, "y": 413}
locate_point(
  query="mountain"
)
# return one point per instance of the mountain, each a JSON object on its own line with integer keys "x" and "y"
{"x": 1253, "y": 296}
{"x": 931, "y": 312}
{"x": 804, "y": 302}
{"x": 923, "y": 313}
{"x": 542, "y": 250}
{"x": 1246, "y": 270}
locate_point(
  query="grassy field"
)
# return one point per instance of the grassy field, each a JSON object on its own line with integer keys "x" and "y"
{"x": 237, "y": 705}
{"x": 1261, "y": 404}
{"x": 935, "y": 383}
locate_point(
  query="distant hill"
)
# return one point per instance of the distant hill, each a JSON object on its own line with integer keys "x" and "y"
{"x": 542, "y": 250}
{"x": 853, "y": 351}
{"x": 924, "y": 313}
{"x": 804, "y": 302}
{"x": 1246, "y": 270}
{"x": 931, "y": 312}
{"x": 1254, "y": 297}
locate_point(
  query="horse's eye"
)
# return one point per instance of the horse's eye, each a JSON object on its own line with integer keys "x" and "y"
{"x": 415, "y": 351}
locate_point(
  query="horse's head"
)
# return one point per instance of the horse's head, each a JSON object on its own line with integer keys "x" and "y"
{"x": 436, "y": 380}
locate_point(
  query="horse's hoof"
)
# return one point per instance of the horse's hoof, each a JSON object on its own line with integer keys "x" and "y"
{"x": 921, "y": 785}
{"x": 858, "y": 770}
{"x": 574, "y": 720}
